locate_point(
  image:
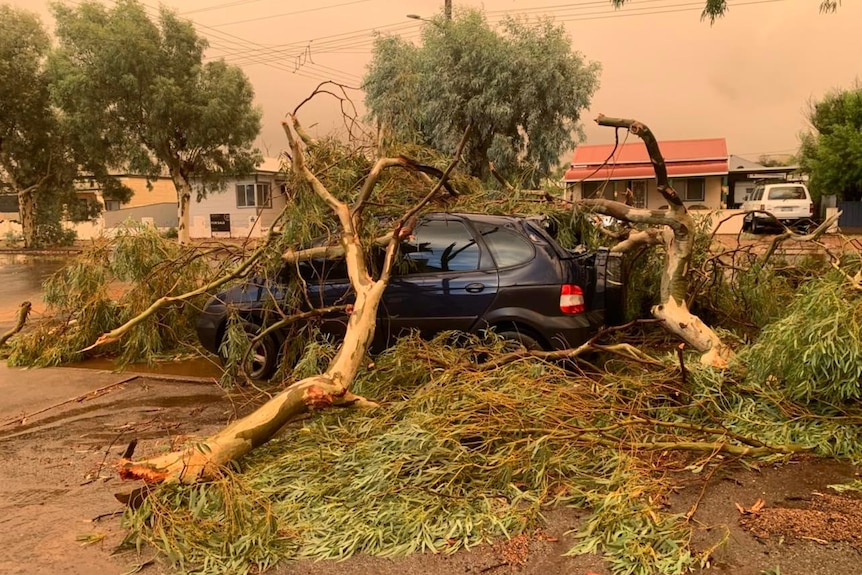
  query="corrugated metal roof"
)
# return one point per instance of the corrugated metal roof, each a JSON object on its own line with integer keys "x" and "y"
{"x": 631, "y": 161}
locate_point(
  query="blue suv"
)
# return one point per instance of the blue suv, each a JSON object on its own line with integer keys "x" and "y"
{"x": 457, "y": 271}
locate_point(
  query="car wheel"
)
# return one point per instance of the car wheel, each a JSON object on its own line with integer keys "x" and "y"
{"x": 261, "y": 360}
{"x": 754, "y": 227}
{"x": 519, "y": 341}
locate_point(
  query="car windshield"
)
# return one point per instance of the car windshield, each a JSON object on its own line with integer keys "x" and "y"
{"x": 787, "y": 193}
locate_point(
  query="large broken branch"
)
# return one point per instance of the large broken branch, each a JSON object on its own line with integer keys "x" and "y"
{"x": 205, "y": 459}
{"x": 789, "y": 235}
{"x": 678, "y": 239}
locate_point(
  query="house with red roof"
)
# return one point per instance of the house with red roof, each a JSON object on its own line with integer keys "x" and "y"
{"x": 697, "y": 170}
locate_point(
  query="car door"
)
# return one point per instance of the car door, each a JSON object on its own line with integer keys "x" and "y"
{"x": 444, "y": 280}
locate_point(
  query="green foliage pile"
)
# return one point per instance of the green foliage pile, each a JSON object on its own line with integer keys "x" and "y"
{"x": 109, "y": 284}
{"x": 457, "y": 455}
{"x": 815, "y": 351}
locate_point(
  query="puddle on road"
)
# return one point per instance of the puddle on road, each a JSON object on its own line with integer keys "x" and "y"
{"x": 21, "y": 279}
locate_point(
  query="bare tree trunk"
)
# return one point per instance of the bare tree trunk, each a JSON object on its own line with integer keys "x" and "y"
{"x": 184, "y": 194}
{"x": 27, "y": 212}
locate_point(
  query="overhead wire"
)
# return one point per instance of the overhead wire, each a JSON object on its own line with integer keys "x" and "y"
{"x": 569, "y": 12}
{"x": 297, "y": 58}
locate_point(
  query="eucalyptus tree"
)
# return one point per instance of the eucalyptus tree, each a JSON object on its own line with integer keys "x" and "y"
{"x": 35, "y": 163}
{"x": 832, "y": 151}
{"x": 520, "y": 88}
{"x": 140, "y": 91}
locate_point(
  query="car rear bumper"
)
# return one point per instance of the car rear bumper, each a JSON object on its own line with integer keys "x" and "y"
{"x": 557, "y": 331}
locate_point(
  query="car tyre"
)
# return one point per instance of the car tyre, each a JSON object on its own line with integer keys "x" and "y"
{"x": 262, "y": 360}
{"x": 520, "y": 341}
{"x": 754, "y": 227}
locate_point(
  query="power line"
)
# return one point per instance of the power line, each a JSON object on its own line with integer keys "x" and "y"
{"x": 270, "y": 17}
{"x": 569, "y": 12}
{"x": 219, "y": 6}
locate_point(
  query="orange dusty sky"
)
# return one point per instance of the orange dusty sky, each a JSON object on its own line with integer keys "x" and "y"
{"x": 748, "y": 78}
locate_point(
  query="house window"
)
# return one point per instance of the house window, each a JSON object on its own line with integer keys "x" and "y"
{"x": 112, "y": 205}
{"x": 598, "y": 190}
{"x": 253, "y": 196}
{"x": 691, "y": 189}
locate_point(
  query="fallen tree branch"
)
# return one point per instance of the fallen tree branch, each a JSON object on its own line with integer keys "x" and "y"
{"x": 678, "y": 238}
{"x": 238, "y": 271}
{"x": 20, "y": 320}
{"x": 789, "y": 235}
{"x": 499, "y": 177}
{"x": 627, "y": 213}
{"x": 573, "y": 353}
{"x": 639, "y": 239}
{"x": 205, "y": 459}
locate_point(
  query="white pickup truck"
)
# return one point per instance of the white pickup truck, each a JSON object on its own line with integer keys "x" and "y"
{"x": 789, "y": 203}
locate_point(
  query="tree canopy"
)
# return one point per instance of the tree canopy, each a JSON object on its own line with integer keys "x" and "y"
{"x": 36, "y": 164}
{"x": 150, "y": 101}
{"x": 520, "y": 88}
{"x": 832, "y": 152}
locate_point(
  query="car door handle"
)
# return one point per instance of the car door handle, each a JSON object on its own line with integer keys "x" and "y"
{"x": 475, "y": 287}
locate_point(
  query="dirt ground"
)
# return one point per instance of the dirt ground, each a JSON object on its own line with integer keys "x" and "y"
{"x": 58, "y": 513}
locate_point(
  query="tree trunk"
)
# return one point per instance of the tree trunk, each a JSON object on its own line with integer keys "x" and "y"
{"x": 204, "y": 460}
{"x": 184, "y": 194}
{"x": 27, "y": 212}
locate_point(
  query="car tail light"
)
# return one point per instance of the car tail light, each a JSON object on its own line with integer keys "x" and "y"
{"x": 762, "y": 207}
{"x": 571, "y": 299}
{"x": 811, "y": 209}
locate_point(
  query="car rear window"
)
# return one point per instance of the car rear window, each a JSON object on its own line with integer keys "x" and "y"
{"x": 507, "y": 247}
{"x": 787, "y": 193}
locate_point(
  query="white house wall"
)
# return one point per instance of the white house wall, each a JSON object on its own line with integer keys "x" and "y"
{"x": 244, "y": 222}
{"x": 654, "y": 200}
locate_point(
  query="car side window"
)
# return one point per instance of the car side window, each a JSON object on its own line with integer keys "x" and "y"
{"x": 507, "y": 247}
{"x": 322, "y": 269}
{"x": 439, "y": 246}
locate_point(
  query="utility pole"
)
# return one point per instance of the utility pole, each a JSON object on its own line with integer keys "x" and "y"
{"x": 447, "y": 10}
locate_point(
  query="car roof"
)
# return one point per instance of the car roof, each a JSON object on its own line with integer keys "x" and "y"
{"x": 474, "y": 217}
